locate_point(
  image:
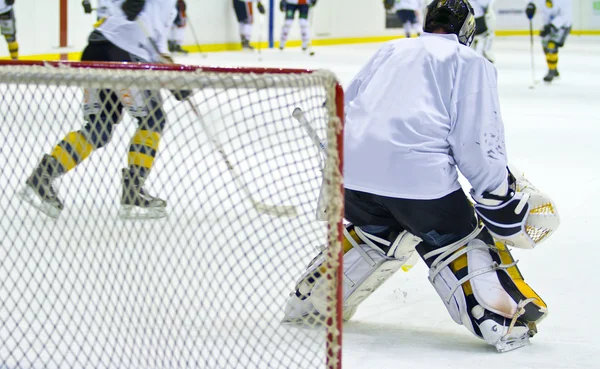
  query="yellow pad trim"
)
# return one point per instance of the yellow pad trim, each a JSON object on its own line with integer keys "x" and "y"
{"x": 517, "y": 277}
{"x": 139, "y": 159}
{"x": 83, "y": 148}
{"x": 146, "y": 138}
{"x": 459, "y": 264}
{"x": 64, "y": 158}
{"x": 552, "y": 57}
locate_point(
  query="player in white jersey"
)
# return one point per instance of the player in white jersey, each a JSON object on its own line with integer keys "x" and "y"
{"x": 289, "y": 7}
{"x": 178, "y": 28}
{"x": 409, "y": 14}
{"x": 8, "y": 27}
{"x": 118, "y": 37}
{"x": 485, "y": 20}
{"x": 103, "y": 9}
{"x": 244, "y": 14}
{"x": 420, "y": 110}
{"x": 558, "y": 20}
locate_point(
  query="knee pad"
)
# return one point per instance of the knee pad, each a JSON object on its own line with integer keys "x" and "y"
{"x": 483, "y": 289}
{"x": 368, "y": 262}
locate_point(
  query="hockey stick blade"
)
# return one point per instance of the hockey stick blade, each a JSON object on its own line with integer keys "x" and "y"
{"x": 288, "y": 211}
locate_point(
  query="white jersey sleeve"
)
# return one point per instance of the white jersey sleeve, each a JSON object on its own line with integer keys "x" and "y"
{"x": 4, "y": 8}
{"x": 156, "y": 18}
{"x": 480, "y": 7}
{"x": 477, "y": 132}
{"x": 105, "y": 7}
{"x": 560, "y": 14}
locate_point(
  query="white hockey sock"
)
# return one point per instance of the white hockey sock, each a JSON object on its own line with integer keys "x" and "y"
{"x": 285, "y": 31}
{"x": 179, "y": 35}
{"x": 407, "y": 27}
{"x": 304, "y": 32}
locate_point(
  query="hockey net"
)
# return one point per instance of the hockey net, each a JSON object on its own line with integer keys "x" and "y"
{"x": 204, "y": 287}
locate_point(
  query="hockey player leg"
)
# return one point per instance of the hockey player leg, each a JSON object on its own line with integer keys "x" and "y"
{"x": 9, "y": 30}
{"x": 483, "y": 289}
{"x": 285, "y": 31}
{"x": 368, "y": 262}
{"x": 136, "y": 202}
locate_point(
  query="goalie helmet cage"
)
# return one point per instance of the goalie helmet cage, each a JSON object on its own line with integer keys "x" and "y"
{"x": 204, "y": 287}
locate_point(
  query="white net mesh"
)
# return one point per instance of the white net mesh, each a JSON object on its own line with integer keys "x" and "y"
{"x": 203, "y": 287}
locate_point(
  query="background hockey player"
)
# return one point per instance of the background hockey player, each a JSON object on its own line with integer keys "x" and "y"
{"x": 485, "y": 21}
{"x": 103, "y": 9}
{"x": 558, "y": 20}
{"x": 118, "y": 37}
{"x": 290, "y": 7}
{"x": 178, "y": 29}
{"x": 420, "y": 110}
{"x": 409, "y": 14}
{"x": 8, "y": 27}
{"x": 244, "y": 14}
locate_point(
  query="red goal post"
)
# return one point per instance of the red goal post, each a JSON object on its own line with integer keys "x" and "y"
{"x": 204, "y": 287}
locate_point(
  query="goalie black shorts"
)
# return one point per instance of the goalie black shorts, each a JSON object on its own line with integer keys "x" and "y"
{"x": 290, "y": 11}
{"x": 438, "y": 222}
{"x": 243, "y": 11}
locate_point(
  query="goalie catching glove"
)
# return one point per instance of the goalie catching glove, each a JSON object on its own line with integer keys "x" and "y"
{"x": 517, "y": 213}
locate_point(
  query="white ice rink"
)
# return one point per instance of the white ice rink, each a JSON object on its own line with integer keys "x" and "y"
{"x": 552, "y": 135}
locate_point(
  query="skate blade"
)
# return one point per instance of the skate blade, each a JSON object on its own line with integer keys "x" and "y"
{"x": 30, "y": 197}
{"x": 130, "y": 212}
{"x": 513, "y": 344}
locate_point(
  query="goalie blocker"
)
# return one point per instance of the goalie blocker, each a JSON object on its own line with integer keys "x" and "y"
{"x": 476, "y": 277}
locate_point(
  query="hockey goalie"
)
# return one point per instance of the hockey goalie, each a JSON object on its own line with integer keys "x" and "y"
{"x": 403, "y": 197}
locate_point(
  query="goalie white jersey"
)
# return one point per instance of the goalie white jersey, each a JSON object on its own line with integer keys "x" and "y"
{"x": 409, "y": 5}
{"x": 157, "y": 18}
{"x": 434, "y": 119}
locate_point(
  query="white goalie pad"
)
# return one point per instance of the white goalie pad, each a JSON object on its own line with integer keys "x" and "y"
{"x": 495, "y": 312}
{"x": 366, "y": 267}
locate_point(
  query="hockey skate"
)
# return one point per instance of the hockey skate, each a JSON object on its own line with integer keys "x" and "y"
{"x": 552, "y": 74}
{"x": 178, "y": 49}
{"x": 136, "y": 203}
{"x": 39, "y": 192}
{"x": 246, "y": 45}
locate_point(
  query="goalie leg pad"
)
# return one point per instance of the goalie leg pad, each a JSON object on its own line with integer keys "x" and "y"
{"x": 366, "y": 267}
{"x": 483, "y": 289}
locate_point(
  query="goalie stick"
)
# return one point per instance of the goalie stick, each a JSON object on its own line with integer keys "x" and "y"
{"x": 277, "y": 210}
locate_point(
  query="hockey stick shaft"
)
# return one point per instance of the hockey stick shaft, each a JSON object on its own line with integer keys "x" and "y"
{"x": 282, "y": 210}
{"x": 196, "y": 40}
{"x": 278, "y": 210}
{"x": 298, "y": 114}
{"x": 531, "y": 50}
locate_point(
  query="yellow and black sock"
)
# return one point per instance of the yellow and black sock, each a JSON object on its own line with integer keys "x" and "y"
{"x": 72, "y": 150}
{"x": 13, "y": 46}
{"x": 552, "y": 56}
{"x": 143, "y": 148}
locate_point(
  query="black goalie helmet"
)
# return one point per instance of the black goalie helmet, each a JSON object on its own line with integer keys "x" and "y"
{"x": 454, "y": 16}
